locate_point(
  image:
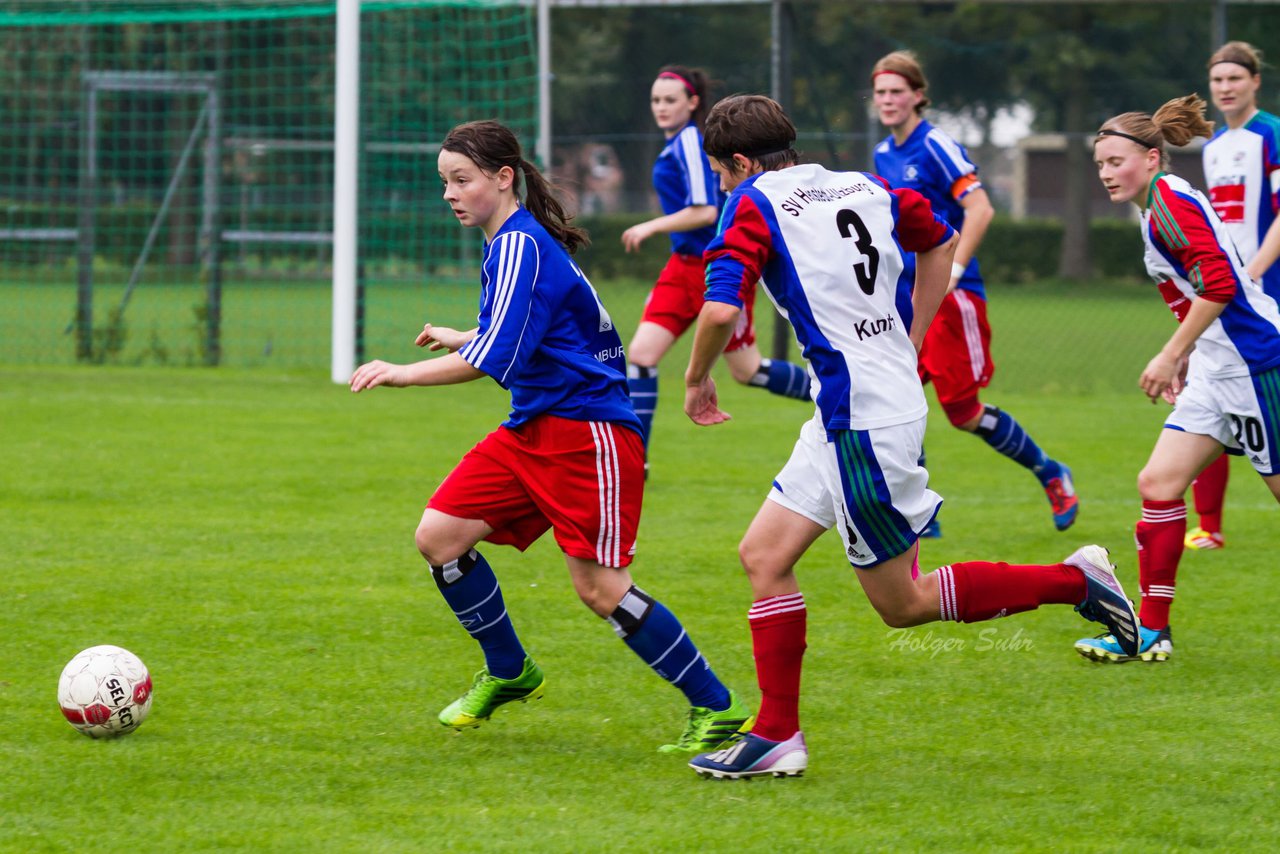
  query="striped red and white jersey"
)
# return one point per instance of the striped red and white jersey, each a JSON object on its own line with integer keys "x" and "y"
{"x": 1190, "y": 255}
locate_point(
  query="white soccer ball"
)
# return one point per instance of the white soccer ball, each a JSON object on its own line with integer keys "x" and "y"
{"x": 105, "y": 691}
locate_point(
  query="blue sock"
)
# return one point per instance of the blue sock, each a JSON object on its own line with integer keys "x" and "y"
{"x": 783, "y": 379}
{"x": 1000, "y": 431}
{"x": 471, "y": 589}
{"x": 643, "y": 383}
{"x": 654, "y": 634}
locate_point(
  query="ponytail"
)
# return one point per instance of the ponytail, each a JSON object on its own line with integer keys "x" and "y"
{"x": 1177, "y": 122}
{"x": 491, "y": 146}
{"x": 1182, "y": 119}
{"x": 541, "y": 201}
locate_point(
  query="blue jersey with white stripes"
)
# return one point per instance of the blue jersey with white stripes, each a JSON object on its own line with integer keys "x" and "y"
{"x": 938, "y": 168}
{"x": 682, "y": 176}
{"x": 543, "y": 333}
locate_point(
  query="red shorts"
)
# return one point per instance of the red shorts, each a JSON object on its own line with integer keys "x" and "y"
{"x": 584, "y": 479}
{"x": 956, "y": 356}
{"x": 676, "y": 299}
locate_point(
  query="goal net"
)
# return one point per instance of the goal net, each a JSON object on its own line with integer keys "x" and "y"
{"x": 166, "y": 173}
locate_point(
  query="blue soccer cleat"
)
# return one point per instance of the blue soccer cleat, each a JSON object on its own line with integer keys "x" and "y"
{"x": 1104, "y": 600}
{"x": 1155, "y": 646}
{"x": 932, "y": 531}
{"x": 749, "y": 755}
{"x": 1061, "y": 492}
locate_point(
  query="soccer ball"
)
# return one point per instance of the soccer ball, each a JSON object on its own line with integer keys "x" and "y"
{"x": 105, "y": 691}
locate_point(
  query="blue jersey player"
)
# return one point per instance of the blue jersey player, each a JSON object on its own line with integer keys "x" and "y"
{"x": 956, "y": 356}
{"x": 568, "y": 458}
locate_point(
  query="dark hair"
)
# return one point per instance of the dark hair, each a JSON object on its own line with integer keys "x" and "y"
{"x": 755, "y": 127}
{"x": 1242, "y": 54}
{"x": 491, "y": 145}
{"x": 904, "y": 64}
{"x": 1177, "y": 122}
{"x": 695, "y": 82}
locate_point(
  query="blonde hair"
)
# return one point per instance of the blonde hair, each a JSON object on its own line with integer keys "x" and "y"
{"x": 904, "y": 64}
{"x": 1177, "y": 122}
{"x": 1242, "y": 54}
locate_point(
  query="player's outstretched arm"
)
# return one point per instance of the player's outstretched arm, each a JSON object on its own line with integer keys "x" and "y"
{"x": 685, "y": 219}
{"x": 444, "y": 338}
{"x": 447, "y": 370}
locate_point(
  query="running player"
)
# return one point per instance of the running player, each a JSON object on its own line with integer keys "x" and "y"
{"x": 568, "y": 458}
{"x": 690, "y": 197}
{"x": 956, "y": 356}
{"x": 1228, "y": 343}
{"x": 1242, "y": 169}
{"x": 829, "y": 247}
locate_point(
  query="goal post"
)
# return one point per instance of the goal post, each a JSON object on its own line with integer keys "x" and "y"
{"x": 492, "y": 61}
{"x": 346, "y": 162}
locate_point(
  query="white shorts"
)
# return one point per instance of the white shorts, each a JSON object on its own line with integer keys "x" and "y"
{"x": 1243, "y": 413}
{"x": 869, "y": 481}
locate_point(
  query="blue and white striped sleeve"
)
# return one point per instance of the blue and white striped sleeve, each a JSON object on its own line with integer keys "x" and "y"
{"x": 702, "y": 186}
{"x": 509, "y": 328}
{"x": 949, "y": 155}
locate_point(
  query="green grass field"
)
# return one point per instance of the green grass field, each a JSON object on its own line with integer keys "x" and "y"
{"x": 249, "y": 534}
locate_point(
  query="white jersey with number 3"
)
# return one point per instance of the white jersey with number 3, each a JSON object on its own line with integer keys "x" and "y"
{"x": 828, "y": 247}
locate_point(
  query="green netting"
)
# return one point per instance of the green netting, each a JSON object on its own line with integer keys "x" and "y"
{"x": 166, "y": 173}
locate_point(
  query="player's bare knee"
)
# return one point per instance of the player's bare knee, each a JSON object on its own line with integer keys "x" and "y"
{"x": 742, "y": 372}
{"x": 759, "y": 564}
{"x": 436, "y": 548}
{"x": 902, "y": 615}
{"x": 601, "y": 602}
{"x": 601, "y": 588}
{"x": 1157, "y": 485}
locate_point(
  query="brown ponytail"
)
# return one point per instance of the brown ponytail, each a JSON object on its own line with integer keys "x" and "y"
{"x": 1182, "y": 119}
{"x": 541, "y": 201}
{"x": 491, "y": 146}
{"x": 1177, "y": 122}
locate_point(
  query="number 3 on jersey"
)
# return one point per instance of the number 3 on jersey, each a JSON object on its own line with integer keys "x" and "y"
{"x": 865, "y": 271}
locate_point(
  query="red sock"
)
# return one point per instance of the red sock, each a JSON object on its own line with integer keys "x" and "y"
{"x": 1159, "y": 535}
{"x": 777, "y": 639}
{"x": 1209, "y": 489}
{"x": 977, "y": 590}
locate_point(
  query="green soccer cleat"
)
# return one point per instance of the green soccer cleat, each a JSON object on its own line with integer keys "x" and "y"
{"x": 706, "y": 729}
{"x": 487, "y": 693}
